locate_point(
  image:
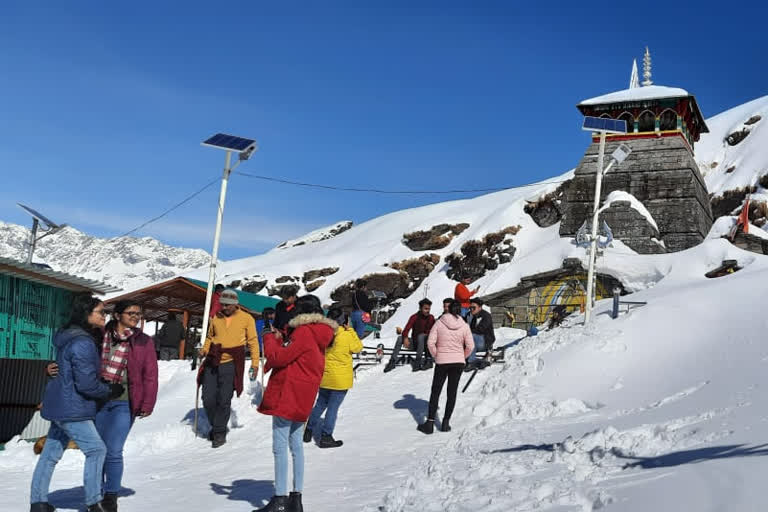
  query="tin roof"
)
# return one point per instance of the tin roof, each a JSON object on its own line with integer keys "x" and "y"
{"x": 40, "y": 274}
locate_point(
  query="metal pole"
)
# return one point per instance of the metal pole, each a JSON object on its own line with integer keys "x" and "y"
{"x": 215, "y": 252}
{"x": 593, "y": 240}
{"x": 32, "y": 241}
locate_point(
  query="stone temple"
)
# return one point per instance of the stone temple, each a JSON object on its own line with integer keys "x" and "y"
{"x": 670, "y": 210}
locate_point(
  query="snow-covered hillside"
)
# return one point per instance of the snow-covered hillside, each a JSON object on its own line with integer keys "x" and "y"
{"x": 742, "y": 161}
{"x": 123, "y": 262}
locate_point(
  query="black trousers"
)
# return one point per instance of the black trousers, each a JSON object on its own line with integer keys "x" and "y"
{"x": 218, "y": 388}
{"x": 452, "y": 372}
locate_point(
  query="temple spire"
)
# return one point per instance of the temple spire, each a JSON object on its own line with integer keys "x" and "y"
{"x": 634, "y": 80}
{"x": 647, "y": 68}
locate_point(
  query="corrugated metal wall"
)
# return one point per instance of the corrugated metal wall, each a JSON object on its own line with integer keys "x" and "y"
{"x": 29, "y": 315}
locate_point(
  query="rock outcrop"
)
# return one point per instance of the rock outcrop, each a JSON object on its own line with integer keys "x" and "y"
{"x": 476, "y": 257}
{"x": 437, "y": 237}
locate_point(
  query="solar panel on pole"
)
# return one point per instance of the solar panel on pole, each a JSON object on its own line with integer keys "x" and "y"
{"x": 604, "y": 124}
{"x": 39, "y": 216}
{"x": 229, "y": 142}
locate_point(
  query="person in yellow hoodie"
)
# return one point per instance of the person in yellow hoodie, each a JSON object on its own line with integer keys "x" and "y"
{"x": 337, "y": 380}
{"x": 224, "y": 366}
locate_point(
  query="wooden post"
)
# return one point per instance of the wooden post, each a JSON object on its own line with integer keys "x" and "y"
{"x": 183, "y": 341}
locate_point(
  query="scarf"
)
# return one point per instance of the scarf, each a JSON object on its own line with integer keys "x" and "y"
{"x": 113, "y": 368}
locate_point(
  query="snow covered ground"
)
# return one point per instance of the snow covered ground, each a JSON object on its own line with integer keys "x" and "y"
{"x": 661, "y": 409}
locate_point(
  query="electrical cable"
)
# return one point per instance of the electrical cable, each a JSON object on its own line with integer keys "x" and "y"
{"x": 381, "y": 191}
{"x": 172, "y": 208}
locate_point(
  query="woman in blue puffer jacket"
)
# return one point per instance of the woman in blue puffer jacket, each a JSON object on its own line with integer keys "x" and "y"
{"x": 70, "y": 403}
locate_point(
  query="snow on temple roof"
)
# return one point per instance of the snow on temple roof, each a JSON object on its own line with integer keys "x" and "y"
{"x": 650, "y": 92}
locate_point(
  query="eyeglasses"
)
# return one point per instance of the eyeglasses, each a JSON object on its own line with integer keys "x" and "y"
{"x": 100, "y": 312}
{"x": 136, "y": 314}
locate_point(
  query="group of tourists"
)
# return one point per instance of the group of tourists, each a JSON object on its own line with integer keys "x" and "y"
{"x": 105, "y": 377}
{"x": 309, "y": 357}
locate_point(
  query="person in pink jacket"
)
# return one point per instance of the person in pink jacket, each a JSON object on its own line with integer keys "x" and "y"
{"x": 450, "y": 343}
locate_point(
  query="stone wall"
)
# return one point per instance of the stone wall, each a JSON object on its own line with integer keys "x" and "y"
{"x": 662, "y": 174}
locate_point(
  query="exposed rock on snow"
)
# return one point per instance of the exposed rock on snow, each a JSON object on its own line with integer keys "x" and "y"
{"x": 437, "y": 237}
{"x": 547, "y": 210}
{"x": 318, "y": 235}
{"x": 311, "y": 275}
{"x": 478, "y": 256}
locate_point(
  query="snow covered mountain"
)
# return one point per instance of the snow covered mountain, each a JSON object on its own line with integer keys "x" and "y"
{"x": 125, "y": 262}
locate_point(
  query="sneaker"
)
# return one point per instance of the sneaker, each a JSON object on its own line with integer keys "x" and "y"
{"x": 307, "y": 434}
{"x": 427, "y": 427}
{"x": 327, "y": 441}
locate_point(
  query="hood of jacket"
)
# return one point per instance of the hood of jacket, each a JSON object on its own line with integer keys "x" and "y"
{"x": 454, "y": 323}
{"x": 322, "y": 329}
{"x": 64, "y": 336}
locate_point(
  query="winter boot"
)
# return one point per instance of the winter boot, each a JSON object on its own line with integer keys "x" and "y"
{"x": 96, "y": 507}
{"x": 276, "y": 504}
{"x": 109, "y": 503}
{"x": 327, "y": 441}
{"x": 41, "y": 506}
{"x": 218, "y": 439}
{"x": 445, "y": 426}
{"x": 427, "y": 365}
{"x": 427, "y": 427}
{"x": 294, "y": 502}
{"x": 390, "y": 366}
{"x": 307, "y": 434}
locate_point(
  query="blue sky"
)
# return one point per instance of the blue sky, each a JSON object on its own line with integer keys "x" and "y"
{"x": 103, "y": 104}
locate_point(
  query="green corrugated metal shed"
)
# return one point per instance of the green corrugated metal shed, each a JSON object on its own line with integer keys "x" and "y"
{"x": 249, "y": 300}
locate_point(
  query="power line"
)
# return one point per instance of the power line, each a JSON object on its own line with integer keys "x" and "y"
{"x": 381, "y": 191}
{"x": 172, "y": 208}
{"x": 337, "y": 188}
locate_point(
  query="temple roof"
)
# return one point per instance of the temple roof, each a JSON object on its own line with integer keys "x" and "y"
{"x": 651, "y": 92}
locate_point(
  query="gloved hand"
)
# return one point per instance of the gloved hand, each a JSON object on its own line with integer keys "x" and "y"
{"x": 115, "y": 390}
{"x": 252, "y": 373}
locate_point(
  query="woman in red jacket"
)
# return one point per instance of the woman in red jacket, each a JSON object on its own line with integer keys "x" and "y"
{"x": 297, "y": 368}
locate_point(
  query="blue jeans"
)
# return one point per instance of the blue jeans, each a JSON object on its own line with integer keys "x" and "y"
{"x": 88, "y": 440}
{"x": 479, "y": 345}
{"x": 113, "y": 423}
{"x": 356, "y": 320}
{"x": 285, "y": 434}
{"x": 328, "y": 400}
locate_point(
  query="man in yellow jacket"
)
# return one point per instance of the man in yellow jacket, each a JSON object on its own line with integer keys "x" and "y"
{"x": 338, "y": 377}
{"x": 224, "y": 365}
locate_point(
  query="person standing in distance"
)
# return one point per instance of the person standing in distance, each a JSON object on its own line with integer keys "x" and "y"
{"x": 462, "y": 293}
{"x": 362, "y": 307}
